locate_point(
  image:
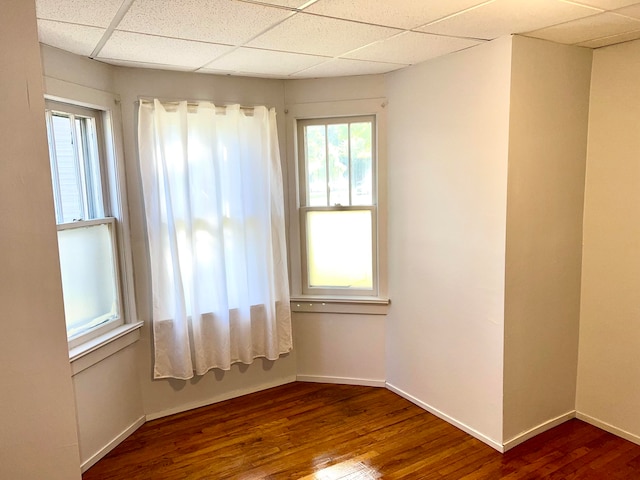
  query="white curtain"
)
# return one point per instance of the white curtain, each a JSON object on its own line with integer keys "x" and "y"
{"x": 214, "y": 210}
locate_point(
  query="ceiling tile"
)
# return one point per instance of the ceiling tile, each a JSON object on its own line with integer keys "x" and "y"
{"x": 411, "y": 48}
{"x": 316, "y": 35}
{"x": 612, "y": 40}
{"x": 160, "y": 50}
{"x": 282, "y": 3}
{"x": 606, "y": 4}
{"x": 340, "y": 67}
{"x": 215, "y": 21}
{"x": 590, "y": 28}
{"x": 97, "y": 14}
{"x": 503, "y": 17}
{"x": 406, "y": 14}
{"x": 247, "y": 60}
{"x": 78, "y": 39}
{"x": 630, "y": 11}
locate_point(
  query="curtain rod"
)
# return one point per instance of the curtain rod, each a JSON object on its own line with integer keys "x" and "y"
{"x": 194, "y": 103}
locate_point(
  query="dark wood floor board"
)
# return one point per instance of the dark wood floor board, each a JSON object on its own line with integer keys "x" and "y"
{"x": 343, "y": 432}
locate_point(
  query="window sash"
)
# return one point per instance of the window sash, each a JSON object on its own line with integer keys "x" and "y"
{"x": 99, "y": 324}
{"x": 307, "y": 288}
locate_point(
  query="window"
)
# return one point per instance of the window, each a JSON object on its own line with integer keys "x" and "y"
{"x": 338, "y": 205}
{"x": 87, "y": 226}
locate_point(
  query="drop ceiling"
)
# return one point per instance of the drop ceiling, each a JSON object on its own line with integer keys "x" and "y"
{"x": 316, "y": 38}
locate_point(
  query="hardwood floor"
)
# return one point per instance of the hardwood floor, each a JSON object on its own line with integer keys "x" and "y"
{"x": 320, "y": 431}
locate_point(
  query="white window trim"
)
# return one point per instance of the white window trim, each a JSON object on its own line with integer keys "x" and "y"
{"x": 109, "y": 104}
{"x": 357, "y": 304}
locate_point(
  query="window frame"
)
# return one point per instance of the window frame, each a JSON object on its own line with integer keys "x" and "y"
{"x": 336, "y": 300}
{"x": 105, "y": 107}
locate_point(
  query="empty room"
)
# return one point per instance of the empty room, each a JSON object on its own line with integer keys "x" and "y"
{"x": 328, "y": 239}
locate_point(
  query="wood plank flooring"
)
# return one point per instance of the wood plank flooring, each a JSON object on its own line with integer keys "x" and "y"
{"x": 330, "y": 432}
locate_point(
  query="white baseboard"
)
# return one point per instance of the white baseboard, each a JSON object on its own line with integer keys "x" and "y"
{"x": 608, "y": 427}
{"x": 543, "y": 427}
{"x": 465, "y": 428}
{"x": 220, "y": 398}
{"x": 93, "y": 459}
{"x": 365, "y": 382}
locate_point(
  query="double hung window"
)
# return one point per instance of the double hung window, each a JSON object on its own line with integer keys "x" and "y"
{"x": 338, "y": 205}
{"x": 87, "y": 229}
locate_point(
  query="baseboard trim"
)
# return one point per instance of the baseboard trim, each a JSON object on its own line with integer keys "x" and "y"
{"x": 543, "y": 427}
{"x": 465, "y": 428}
{"x": 220, "y": 398}
{"x": 365, "y": 382}
{"x": 607, "y": 427}
{"x": 93, "y": 459}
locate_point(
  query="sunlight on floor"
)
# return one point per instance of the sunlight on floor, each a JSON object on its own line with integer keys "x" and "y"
{"x": 356, "y": 468}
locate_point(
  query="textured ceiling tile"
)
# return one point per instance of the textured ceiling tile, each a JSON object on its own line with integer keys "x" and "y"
{"x": 97, "y": 14}
{"x": 216, "y": 21}
{"x": 607, "y": 4}
{"x": 411, "y": 48}
{"x": 612, "y": 40}
{"x": 282, "y": 3}
{"x": 316, "y": 35}
{"x": 590, "y": 28}
{"x": 405, "y": 14}
{"x": 160, "y": 50}
{"x": 503, "y": 17}
{"x": 248, "y": 60}
{"x": 631, "y": 11}
{"x": 342, "y": 67}
{"x": 78, "y": 39}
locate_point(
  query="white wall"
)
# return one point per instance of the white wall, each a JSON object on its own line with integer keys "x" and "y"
{"x": 608, "y": 367}
{"x": 38, "y": 436}
{"x": 448, "y": 145}
{"x": 167, "y": 396}
{"x": 547, "y": 156}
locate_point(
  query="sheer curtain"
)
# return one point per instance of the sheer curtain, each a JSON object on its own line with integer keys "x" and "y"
{"x": 214, "y": 209}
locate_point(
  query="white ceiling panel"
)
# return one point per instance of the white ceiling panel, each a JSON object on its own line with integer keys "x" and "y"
{"x": 406, "y": 14}
{"x": 612, "y": 40}
{"x": 607, "y": 4}
{"x": 411, "y": 48}
{"x": 317, "y": 35}
{"x": 78, "y": 39}
{"x": 97, "y": 14}
{"x": 503, "y": 17}
{"x": 594, "y": 27}
{"x": 282, "y": 3}
{"x": 160, "y": 50}
{"x": 247, "y": 60}
{"x": 216, "y": 21}
{"x": 631, "y": 11}
{"x": 342, "y": 67}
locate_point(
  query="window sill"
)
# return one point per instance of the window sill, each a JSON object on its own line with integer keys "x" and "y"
{"x": 99, "y": 348}
{"x": 348, "y": 305}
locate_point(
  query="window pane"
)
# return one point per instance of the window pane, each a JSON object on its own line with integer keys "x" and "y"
{"x": 339, "y": 249}
{"x": 68, "y": 172}
{"x": 338, "y": 140}
{"x": 316, "y": 156}
{"x": 361, "y": 164}
{"x": 88, "y": 277}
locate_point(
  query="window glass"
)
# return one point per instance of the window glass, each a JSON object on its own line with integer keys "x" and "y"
{"x": 337, "y": 160}
{"x": 86, "y": 236}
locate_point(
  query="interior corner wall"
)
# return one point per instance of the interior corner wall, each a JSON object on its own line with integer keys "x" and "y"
{"x": 608, "y": 391}
{"x": 547, "y": 156}
{"x": 448, "y": 144}
{"x": 38, "y": 436}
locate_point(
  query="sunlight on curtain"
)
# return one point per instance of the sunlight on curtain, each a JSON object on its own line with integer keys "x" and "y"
{"x": 214, "y": 208}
